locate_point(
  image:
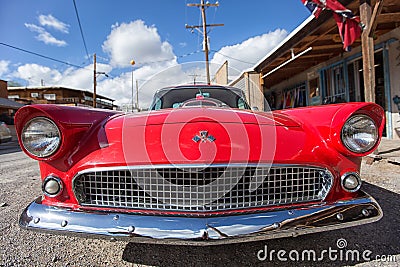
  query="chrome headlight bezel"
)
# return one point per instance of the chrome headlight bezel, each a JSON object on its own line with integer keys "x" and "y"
{"x": 31, "y": 139}
{"x": 58, "y": 182}
{"x": 359, "y": 134}
{"x": 357, "y": 182}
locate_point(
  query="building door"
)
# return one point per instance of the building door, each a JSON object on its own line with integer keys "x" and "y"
{"x": 356, "y": 82}
{"x": 380, "y": 97}
{"x": 379, "y": 81}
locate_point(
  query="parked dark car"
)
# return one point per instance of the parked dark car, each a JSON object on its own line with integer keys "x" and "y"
{"x": 5, "y": 133}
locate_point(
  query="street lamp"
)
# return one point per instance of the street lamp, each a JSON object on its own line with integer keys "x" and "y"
{"x": 94, "y": 80}
{"x": 132, "y": 63}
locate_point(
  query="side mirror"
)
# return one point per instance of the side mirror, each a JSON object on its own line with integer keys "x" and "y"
{"x": 254, "y": 108}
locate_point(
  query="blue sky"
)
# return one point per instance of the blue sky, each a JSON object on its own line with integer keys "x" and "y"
{"x": 151, "y": 32}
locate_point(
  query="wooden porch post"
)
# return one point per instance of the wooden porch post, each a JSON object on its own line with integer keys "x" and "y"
{"x": 367, "y": 44}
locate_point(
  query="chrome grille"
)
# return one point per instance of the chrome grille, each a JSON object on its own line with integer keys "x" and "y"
{"x": 197, "y": 189}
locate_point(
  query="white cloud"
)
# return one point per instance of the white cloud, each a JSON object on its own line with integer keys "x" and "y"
{"x": 34, "y": 28}
{"x": 71, "y": 77}
{"x": 4, "y": 67}
{"x": 45, "y": 36}
{"x": 250, "y": 50}
{"x": 137, "y": 41}
{"x": 120, "y": 87}
{"x": 150, "y": 78}
{"x": 83, "y": 78}
{"x": 34, "y": 73}
{"x": 140, "y": 42}
{"x": 146, "y": 46}
{"x": 52, "y": 22}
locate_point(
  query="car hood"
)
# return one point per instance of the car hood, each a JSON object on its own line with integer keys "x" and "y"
{"x": 202, "y": 135}
{"x": 192, "y": 115}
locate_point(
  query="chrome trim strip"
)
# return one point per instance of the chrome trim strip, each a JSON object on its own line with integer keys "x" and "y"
{"x": 195, "y": 230}
{"x": 183, "y": 166}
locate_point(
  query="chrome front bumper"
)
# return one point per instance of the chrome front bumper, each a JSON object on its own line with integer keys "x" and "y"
{"x": 202, "y": 230}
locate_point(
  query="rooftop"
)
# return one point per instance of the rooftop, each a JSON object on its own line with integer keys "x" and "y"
{"x": 317, "y": 40}
{"x": 57, "y": 88}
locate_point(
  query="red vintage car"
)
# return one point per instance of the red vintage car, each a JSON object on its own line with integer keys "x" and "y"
{"x": 199, "y": 166}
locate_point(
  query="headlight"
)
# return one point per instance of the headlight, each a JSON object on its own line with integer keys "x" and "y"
{"x": 359, "y": 134}
{"x": 41, "y": 137}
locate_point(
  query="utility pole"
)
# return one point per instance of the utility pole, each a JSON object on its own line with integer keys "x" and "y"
{"x": 137, "y": 95}
{"x": 367, "y": 45}
{"x": 94, "y": 80}
{"x": 95, "y": 73}
{"x": 194, "y": 77}
{"x": 204, "y": 26}
{"x": 132, "y": 63}
{"x": 132, "y": 92}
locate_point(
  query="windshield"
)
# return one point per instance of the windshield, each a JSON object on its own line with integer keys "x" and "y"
{"x": 177, "y": 97}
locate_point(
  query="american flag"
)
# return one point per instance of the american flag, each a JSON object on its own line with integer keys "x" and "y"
{"x": 349, "y": 25}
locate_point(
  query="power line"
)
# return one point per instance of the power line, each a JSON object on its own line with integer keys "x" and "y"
{"x": 215, "y": 14}
{"x": 86, "y": 68}
{"x": 165, "y": 60}
{"x": 43, "y": 56}
{"x": 80, "y": 27}
{"x": 250, "y": 63}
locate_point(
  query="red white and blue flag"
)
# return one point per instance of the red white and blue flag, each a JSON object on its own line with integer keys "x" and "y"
{"x": 315, "y": 8}
{"x": 349, "y": 25}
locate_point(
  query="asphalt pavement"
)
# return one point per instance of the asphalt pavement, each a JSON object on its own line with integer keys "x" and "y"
{"x": 20, "y": 184}
{"x": 9, "y": 147}
{"x": 389, "y": 150}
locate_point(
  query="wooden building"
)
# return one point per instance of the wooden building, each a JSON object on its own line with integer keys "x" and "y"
{"x": 310, "y": 67}
{"x": 7, "y": 107}
{"x": 58, "y": 95}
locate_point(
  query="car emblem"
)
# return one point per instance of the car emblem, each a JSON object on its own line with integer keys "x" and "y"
{"x": 203, "y": 137}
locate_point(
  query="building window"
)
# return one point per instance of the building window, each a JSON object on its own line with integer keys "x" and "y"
{"x": 295, "y": 96}
{"x": 49, "y": 96}
{"x": 335, "y": 85}
{"x": 88, "y": 98}
{"x": 35, "y": 95}
{"x": 71, "y": 99}
{"x": 291, "y": 97}
{"x": 13, "y": 97}
{"x": 315, "y": 92}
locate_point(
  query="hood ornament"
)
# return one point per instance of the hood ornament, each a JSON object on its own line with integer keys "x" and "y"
{"x": 203, "y": 137}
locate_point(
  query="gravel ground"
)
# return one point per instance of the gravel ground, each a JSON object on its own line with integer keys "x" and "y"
{"x": 20, "y": 184}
